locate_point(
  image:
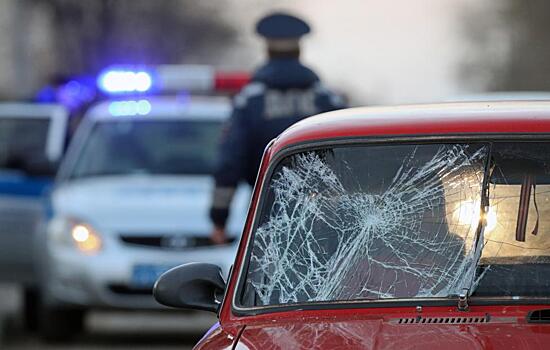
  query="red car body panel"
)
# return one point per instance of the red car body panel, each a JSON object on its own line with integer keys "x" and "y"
{"x": 443, "y": 119}
{"x": 377, "y": 328}
{"x": 218, "y": 338}
{"x": 349, "y": 332}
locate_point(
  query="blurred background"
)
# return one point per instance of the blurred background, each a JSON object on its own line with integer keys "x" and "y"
{"x": 371, "y": 52}
{"x": 376, "y": 53}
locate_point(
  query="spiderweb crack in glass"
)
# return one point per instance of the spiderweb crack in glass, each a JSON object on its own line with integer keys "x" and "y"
{"x": 323, "y": 242}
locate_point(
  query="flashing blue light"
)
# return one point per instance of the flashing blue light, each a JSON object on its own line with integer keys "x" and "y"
{"x": 125, "y": 81}
{"x": 129, "y": 108}
{"x": 143, "y": 107}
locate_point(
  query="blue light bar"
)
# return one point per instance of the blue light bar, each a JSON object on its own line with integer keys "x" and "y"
{"x": 129, "y": 108}
{"x": 120, "y": 81}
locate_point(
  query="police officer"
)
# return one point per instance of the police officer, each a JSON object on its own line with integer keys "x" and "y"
{"x": 280, "y": 93}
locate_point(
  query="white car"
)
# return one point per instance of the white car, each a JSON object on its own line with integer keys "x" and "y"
{"x": 32, "y": 140}
{"x": 132, "y": 200}
{"x": 26, "y": 172}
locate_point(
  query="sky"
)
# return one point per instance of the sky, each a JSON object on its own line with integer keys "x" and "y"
{"x": 377, "y": 52}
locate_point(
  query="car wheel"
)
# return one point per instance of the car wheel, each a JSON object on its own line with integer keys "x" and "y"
{"x": 58, "y": 324}
{"x": 30, "y": 308}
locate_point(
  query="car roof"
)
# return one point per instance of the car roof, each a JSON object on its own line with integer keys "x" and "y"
{"x": 417, "y": 120}
{"x": 168, "y": 107}
{"x": 30, "y": 110}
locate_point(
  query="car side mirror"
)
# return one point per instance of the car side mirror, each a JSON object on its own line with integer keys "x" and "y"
{"x": 197, "y": 286}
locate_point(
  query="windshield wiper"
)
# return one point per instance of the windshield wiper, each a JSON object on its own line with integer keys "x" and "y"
{"x": 480, "y": 239}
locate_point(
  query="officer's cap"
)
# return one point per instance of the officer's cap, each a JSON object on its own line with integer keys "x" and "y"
{"x": 282, "y": 26}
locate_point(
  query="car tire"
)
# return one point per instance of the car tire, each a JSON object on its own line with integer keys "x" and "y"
{"x": 30, "y": 308}
{"x": 59, "y": 324}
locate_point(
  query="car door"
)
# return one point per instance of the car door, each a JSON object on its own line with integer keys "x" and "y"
{"x": 32, "y": 139}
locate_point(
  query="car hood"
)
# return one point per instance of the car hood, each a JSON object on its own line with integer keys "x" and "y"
{"x": 364, "y": 333}
{"x": 148, "y": 204}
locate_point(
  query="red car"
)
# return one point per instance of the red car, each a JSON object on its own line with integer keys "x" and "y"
{"x": 414, "y": 227}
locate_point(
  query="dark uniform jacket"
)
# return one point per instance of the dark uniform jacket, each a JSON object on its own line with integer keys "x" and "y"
{"x": 281, "y": 93}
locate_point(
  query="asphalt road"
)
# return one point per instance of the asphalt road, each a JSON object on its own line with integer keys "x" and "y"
{"x": 108, "y": 330}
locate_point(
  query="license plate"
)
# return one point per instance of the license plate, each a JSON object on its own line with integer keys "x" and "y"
{"x": 145, "y": 276}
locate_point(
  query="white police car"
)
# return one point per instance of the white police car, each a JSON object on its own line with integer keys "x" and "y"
{"x": 31, "y": 143}
{"x": 130, "y": 201}
{"x": 32, "y": 139}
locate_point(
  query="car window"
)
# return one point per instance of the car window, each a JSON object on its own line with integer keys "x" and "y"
{"x": 402, "y": 222}
{"x": 516, "y": 257}
{"x": 149, "y": 147}
{"x": 15, "y": 149}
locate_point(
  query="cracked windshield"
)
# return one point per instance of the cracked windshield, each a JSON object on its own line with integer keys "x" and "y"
{"x": 403, "y": 221}
{"x": 174, "y": 173}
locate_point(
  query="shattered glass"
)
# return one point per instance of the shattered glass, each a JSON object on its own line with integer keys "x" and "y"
{"x": 369, "y": 222}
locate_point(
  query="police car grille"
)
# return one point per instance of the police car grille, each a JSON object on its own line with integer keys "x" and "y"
{"x": 173, "y": 242}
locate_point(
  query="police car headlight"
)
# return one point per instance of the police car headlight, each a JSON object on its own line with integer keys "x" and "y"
{"x": 76, "y": 233}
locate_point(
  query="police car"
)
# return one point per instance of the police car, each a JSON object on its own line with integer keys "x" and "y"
{"x": 131, "y": 200}
{"x": 32, "y": 139}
